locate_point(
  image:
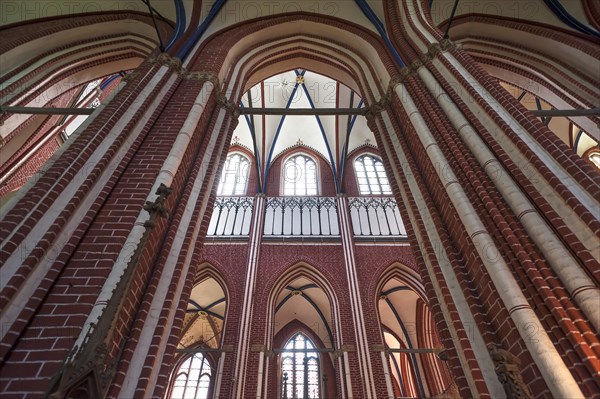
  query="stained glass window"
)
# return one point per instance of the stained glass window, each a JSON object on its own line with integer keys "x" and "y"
{"x": 300, "y": 176}
{"x": 234, "y": 176}
{"x": 192, "y": 379}
{"x": 371, "y": 176}
{"x": 299, "y": 369}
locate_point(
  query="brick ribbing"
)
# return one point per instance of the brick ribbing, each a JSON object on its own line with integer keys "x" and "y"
{"x": 574, "y": 39}
{"x": 511, "y": 238}
{"x": 42, "y": 154}
{"x": 563, "y": 232}
{"x": 42, "y": 194}
{"x": 557, "y": 148}
{"x": 324, "y": 55}
{"x": 301, "y": 49}
{"x": 592, "y": 11}
{"x": 482, "y": 58}
{"x": 453, "y": 257}
{"x": 31, "y": 167}
{"x": 527, "y": 56}
{"x": 587, "y": 333}
{"x": 170, "y": 357}
{"x": 580, "y": 170}
{"x": 65, "y": 74}
{"x": 541, "y": 268}
{"x": 64, "y": 282}
{"x": 23, "y": 32}
{"x": 217, "y": 45}
{"x": 49, "y": 186}
{"x": 214, "y": 164}
{"x": 43, "y": 70}
{"x": 164, "y": 131}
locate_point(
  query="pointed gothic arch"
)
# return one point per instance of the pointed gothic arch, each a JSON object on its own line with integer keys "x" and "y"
{"x": 196, "y": 366}
{"x": 459, "y": 183}
{"x": 302, "y": 285}
{"x": 404, "y": 315}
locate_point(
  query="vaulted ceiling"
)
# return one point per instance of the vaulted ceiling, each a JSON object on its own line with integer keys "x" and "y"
{"x": 107, "y": 37}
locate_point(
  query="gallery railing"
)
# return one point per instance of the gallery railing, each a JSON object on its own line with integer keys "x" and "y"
{"x": 301, "y": 216}
{"x": 375, "y": 216}
{"x": 307, "y": 216}
{"x": 231, "y": 216}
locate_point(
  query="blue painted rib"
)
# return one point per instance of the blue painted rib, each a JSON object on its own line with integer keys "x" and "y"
{"x": 189, "y": 44}
{"x": 395, "y": 289}
{"x": 576, "y": 143}
{"x": 108, "y": 81}
{"x": 268, "y": 167}
{"x": 180, "y": 20}
{"x": 557, "y": 8}
{"x": 179, "y": 29}
{"x": 309, "y": 300}
{"x": 345, "y": 148}
{"x": 250, "y": 122}
{"x": 331, "y": 159}
{"x": 371, "y": 16}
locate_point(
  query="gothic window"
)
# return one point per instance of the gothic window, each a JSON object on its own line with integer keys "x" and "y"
{"x": 299, "y": 369}
{"x": 299, "y": 176}
{"x": 192, "y": 379}
{"x": 235, "y": 175}
{"x": 371, "y": 176}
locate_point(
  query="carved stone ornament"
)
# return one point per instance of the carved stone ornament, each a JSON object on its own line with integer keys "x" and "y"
{"x": 508, "y": 370}
{"x": 90, "y": 367}
{"x": 87, "y": 372}
{"x": 158, "y": 207}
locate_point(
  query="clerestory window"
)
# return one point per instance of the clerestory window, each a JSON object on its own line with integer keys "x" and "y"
{"x": 299, "y": 176}
{"x": 371, "y": 176}
{"x": 235, "y": 175}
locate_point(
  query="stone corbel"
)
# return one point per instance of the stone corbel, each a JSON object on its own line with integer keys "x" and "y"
{"x": 158, "y": 207}
{"x": 508, "y": 370}
{"x": 344, "y": 348}
{"x": 261, "y": 348}
{"x": 167, "y": 60}
{"x": 229, "y": 105}
{"x": 446, "y": 44}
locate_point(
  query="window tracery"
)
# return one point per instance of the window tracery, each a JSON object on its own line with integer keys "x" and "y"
{"x": 192, "y": 379}
{"x": 371, "y": 176}
{"x": 300, "y": 369}
{"x": 234, "y": 177}
{"x": 300, "y": 176}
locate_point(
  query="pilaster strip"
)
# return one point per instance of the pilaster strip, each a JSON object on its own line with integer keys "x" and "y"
{"x": 430, "y": 235}
{"x": 14, "y": 264}
{"x": 560, "y": 259}
{"x": 354, "y": 290}
{"x": 551, "y": 365}
{"x": 248, "y": 303}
